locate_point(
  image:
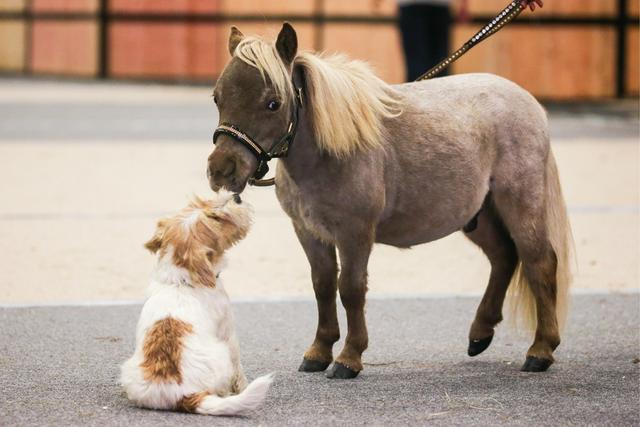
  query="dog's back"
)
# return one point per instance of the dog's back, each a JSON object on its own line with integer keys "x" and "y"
{"x": 187, "y": 355}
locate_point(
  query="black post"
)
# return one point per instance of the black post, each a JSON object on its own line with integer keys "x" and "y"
{"x": 621, "y": 50}
{"x": 318, "y": 21}
{"x": 103, "y": 40}
{"x": 27, "y": 58}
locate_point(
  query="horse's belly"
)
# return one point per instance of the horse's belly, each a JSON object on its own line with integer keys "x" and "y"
{"x": 432, "y": 217}
{"x": 410, "y": 231}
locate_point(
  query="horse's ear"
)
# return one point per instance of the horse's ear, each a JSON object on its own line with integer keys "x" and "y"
{"x": 234, "y": 39}
{"x": 287, "y": 43}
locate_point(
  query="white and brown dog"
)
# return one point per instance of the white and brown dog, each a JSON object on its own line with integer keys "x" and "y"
{"x": 187, "y": 356}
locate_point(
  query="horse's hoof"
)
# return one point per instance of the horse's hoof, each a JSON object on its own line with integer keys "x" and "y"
{"x": 309, "y": 365}
{"x": 478, "y": 346}
{"x": 535, "y": 364}
{"x": 341, "y": 372}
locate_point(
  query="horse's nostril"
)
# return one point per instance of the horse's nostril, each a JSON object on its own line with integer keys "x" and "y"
{"x": 229, "y": 168}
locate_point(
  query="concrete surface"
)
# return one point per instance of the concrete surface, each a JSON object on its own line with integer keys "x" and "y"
{"x": 87, "y": 169}
{"x": 59, "y": 366}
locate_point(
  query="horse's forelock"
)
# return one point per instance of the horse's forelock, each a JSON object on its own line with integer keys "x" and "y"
{"x": 263, "y": 55}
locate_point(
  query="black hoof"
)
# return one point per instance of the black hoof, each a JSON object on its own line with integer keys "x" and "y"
{"x": 313, "y": 365}
{"x": 341, "y": 372}
{"x": 534, "y": 364}
{"x": 478, "y": 346}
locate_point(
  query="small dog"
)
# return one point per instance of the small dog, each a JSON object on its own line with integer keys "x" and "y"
{"x": 187, "y": 356}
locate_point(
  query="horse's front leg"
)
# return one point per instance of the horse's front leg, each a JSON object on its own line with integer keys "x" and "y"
{"x": 354, "y": 256}
{"x": 324, "y": 272}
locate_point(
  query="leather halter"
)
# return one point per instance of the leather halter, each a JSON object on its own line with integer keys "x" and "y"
{"x": 278, "y": 149}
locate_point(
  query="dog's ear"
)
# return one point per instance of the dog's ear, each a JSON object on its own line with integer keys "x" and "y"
{"x": 200, "y": 266}
{"x": 155, "y": 243}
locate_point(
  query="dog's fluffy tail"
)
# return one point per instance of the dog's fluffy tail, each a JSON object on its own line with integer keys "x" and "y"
{"x": 240, "y": 404}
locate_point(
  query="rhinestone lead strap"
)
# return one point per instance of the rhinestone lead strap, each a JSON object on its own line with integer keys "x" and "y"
{"x": 503, "y": 18}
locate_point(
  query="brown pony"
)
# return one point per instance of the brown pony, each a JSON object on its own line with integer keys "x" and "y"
{"x": 367, "y": 162}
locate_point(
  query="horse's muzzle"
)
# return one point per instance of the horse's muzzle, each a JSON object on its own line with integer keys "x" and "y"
{"x": 227, "y": 169}
{"x": 230, "y": 183}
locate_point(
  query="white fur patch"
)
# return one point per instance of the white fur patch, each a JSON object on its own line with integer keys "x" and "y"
{"x": 210, "y": 357}
{"x": 191, "y": 219}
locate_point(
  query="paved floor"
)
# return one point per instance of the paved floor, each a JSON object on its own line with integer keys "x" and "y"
{"x": 59, "y": 366}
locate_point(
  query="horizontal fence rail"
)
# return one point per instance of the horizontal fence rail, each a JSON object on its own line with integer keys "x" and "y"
{"x": 104, "y": 17}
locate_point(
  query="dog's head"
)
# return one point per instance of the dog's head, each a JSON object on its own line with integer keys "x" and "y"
{"x": 198, "y": 235}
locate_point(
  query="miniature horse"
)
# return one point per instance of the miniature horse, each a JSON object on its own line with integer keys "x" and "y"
{"x": 399, "y": 165}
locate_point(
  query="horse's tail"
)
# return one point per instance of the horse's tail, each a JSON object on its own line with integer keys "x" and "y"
{"x": 522, "y": 302}
{"x": 240, "y": 404}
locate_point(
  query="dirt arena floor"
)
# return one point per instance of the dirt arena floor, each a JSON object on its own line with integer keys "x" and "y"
{"x": 87, "y": 169}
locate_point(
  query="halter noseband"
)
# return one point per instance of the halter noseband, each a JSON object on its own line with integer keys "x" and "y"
{"x": 278, "y": 149}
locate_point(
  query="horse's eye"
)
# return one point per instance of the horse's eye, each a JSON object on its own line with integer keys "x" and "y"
{"x": 273, "y": 105}
{"x": 215, "y": 99}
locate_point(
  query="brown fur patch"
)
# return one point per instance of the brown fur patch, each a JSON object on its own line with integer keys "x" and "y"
{"x": 191, "y": 402}
{"x": 190, "y": 250}
{"x": 162, "y": 350}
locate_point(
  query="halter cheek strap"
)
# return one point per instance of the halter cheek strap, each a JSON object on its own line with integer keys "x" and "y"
{"x": 278, "y": 149}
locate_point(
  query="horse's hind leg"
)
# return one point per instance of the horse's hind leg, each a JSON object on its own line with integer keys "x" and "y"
{"x": 525, "y": 218}
{"x": 494, "y": 240}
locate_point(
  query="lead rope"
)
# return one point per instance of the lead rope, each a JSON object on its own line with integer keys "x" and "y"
{"x": 507, "y": 15}
{"x": 262, "y": 182}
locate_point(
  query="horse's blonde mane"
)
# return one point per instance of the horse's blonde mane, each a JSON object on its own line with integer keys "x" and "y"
{"x": 348, "y": 102}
